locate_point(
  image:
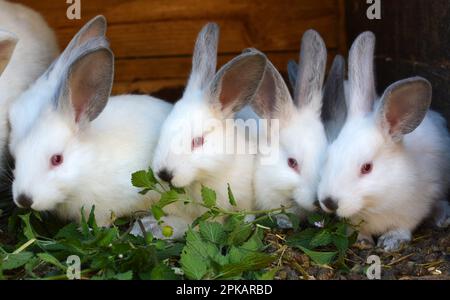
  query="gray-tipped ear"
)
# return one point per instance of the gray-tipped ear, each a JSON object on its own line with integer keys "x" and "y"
{"x": 8, "y": 42}
{"x": 88, "y": 85}
{"x": 204, "y": 61}
{"x": 236, "y": 83}
{"x": 334, "y": 109}
{"x": 403, "y": 106}
{"x": 362, "y": 74}
{"x": 311, "y": 71}
{"x": 292, "y": 69}
{"x": 273, "y": 100}
{"x": 95, "y": 28}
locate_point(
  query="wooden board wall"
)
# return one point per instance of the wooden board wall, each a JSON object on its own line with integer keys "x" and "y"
{"x": 153, "y": 39}
{"x": 413, "y": 39}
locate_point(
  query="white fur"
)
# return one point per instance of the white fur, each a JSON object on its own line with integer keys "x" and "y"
{"x": 409, "y": 175}
{"x": 214, "y": 169}
{"x": 100, "y": 155}
{"x": 302, "y": 134}
{"x": 36, "y": 48}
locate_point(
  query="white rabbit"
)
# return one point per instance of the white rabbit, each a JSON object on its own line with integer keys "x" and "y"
{"x": 27, "y": 47}
{"x": 389, "y": 166}
{"x": 291, "y": 178}
{"x": 190, "y": 151}
{"x": 78, "y": 149}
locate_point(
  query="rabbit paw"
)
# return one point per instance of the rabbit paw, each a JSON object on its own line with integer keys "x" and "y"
{"x": 284, "y": 222}
{"x": 393, "y": 240}
{"x": 442, "y": 218}
{"x": 150, "y": 224}
{"x": 364, "y": 241}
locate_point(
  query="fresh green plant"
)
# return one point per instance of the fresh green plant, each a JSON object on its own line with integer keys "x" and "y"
{"x": 234, "y": 249}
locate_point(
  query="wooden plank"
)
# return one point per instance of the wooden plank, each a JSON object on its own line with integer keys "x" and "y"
{"x": 169, "y": 38}
{"x": 180, "y": 67}
{"x": 136, "y": 11}
{"x": 150, "y": 75}
{"x": 411, "y": 41}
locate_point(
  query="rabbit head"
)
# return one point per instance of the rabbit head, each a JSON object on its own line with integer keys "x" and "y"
{"x": 190, "y": 145}
{"x": 294, "y": 175}
{"x": 366, "y": 165}
{"x": 48, "y": 150}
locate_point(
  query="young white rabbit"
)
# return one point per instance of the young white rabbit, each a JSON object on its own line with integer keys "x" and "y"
{"x": 79, "y": 148}
{"x": 291, "y": 178}
{"x": 27, "y": 47}
{"x": 191, "y": 152}
{"x": 389, "y": 166}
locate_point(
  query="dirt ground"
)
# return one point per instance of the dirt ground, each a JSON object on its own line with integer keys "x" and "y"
{"x": 427, "y": 257}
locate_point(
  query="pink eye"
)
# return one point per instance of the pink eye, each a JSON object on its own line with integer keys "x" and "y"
{"x": 56, "y": 160}
{"x": 293, "y": 164}
{"x": 197, "y": 142}
{"x": 366, "y": 168}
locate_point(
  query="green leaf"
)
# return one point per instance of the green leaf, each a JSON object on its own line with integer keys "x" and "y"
{"x": 141, "y": 179}
{"x": 302, "y": 238}
{"x": 240, "y": 234}
{"x": 108, "y": 236}
{"x": 48, "y": 258}
{"x": 295, "y": 220}
{"x": 193, "y": 265}
{"x": 212, "y": 232}
{"x": 14, "y": 261}
{"x": 321, "y": 258}
{"x": 269, "y": 275}
{"x": 162, "y": 272}
{"x": 252, "y": 262}
{"x": 324, "y": 238}
{"x": 157, "y": 212}
{"x": 92, "y": 223}
{"x": 124, "y": 276}
{"x": 69, "y": 231}
{"x": 231, "y": 197}
{"x": 168, "y": 198}
{"x": 208, "y": 197}
{"x": 28, "y": 230}
{"x": 255, "y": 242}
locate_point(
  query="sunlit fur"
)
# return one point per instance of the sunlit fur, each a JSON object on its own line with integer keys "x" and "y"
{"x": 406, "y": 180}
{"x": 98, "y": 162}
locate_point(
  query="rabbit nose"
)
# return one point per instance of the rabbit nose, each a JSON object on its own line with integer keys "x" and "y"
{"x": 330, "y": 204}
{"x": 24, "y": 201}
{"x": 165, "y": 175}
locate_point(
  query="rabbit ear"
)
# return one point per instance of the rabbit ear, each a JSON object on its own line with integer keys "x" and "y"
{"x": 292, "y": 68}
{"x": 361, "y": 74}
{"x": 93, "y": 29}
{"x": 403, "y": 106}
{"x": 88, "y": 85}
{"x": 334, "y": 102}
{"x": 204, "y": 61}
{"x": 237, "y": 82}
{"x": 311, "y": 71}
{"x": 8, "y": 42}
{"x": 273, "y": 100}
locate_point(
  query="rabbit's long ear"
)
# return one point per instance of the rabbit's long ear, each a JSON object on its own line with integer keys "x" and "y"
{"x": 311, "y": 71}
{"x": 273, "y": 100}
{"x": 403, "y": 106}
{"x": 204, "y": 61}
{"x": 236, "y": 83}
{"x": 95, "y": 28}
{"x": 292, "y": 69}
{"x": 88, "y": 85}
{"x": 362, "y": 75}
{"x": 334, "y": 110}
{"x": 8, "y": 42}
